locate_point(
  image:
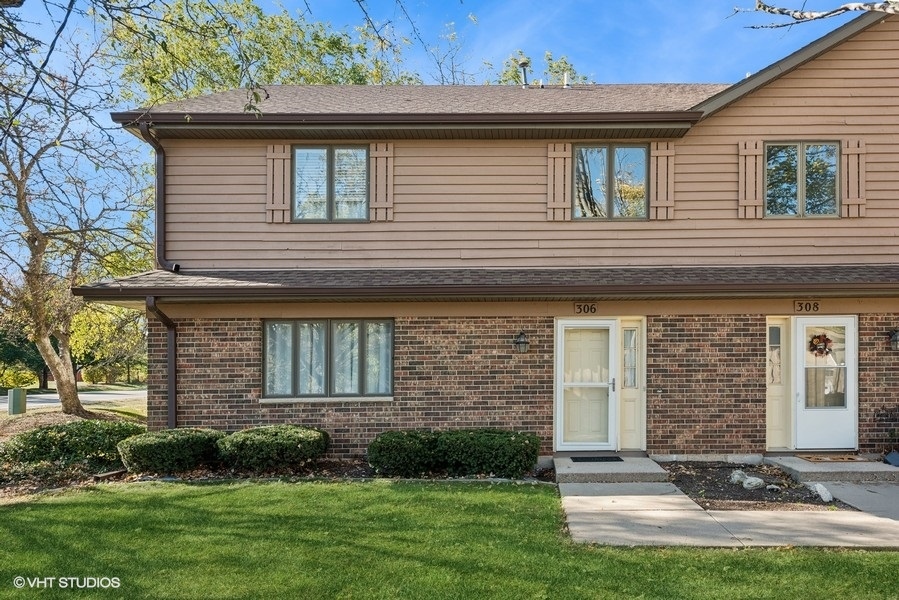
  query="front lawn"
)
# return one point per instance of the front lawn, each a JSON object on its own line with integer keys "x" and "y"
{"x": 381, "y": 539}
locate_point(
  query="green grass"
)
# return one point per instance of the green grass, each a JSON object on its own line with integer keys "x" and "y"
{"x": 382, "y": 539}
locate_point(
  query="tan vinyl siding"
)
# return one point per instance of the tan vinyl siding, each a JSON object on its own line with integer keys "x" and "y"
{"x": 469, "y": 203}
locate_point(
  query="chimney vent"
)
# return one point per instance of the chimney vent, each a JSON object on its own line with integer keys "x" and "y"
{"x": 523, "y": 64}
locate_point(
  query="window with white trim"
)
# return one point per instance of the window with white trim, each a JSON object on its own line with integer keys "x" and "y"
{"x": 801, "y": 179}
{"x": 330, "y": 183}
{"x": 328, "y": 358}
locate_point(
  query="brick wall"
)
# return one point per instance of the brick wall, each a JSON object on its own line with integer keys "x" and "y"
{"x": 449, "y": 373}
{"x": 705, "y": 381}
{"x": 878, "y": 382}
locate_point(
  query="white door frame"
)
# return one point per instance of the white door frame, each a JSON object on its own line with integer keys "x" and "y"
{"x": 559, "y": 413}
{"x": 825, "y": 427}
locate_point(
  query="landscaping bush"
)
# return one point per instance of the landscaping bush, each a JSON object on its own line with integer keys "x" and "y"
{"x": 272, "y": 447}
{"x": 488, "y": 451}
{"x": 403, "y": 453}
{"x": 462, "y": 452}
{"x": 170, "y": 450}
{"x": 90, "y": 441}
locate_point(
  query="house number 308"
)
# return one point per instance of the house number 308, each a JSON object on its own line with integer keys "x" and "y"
{"x": 801, "y": 306}
{"x": 584, "y": 308}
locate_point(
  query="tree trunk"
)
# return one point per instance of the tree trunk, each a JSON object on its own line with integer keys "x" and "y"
{"x": 44, "y": 378}
{"x": 64, "y": 374}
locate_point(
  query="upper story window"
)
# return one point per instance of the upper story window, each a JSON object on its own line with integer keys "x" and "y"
{"x": 610, "y": 181}
{"x": 330, "y": 183}
{"x": 801, "y": 179}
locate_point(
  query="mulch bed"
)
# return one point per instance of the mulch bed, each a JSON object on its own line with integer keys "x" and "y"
{"x": 708, "y": 484}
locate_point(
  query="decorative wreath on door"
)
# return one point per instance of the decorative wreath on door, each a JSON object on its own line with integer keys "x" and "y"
{"x": 820, "y": 344}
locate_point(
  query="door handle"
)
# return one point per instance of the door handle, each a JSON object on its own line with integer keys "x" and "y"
{"x": 613, "y": 384}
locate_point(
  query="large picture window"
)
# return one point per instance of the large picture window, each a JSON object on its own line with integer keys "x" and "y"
{"x": 328, "y": 358}
{"x": 610, "y": 182}
{"x": 801, "y": 179}
{"x": 330, "y": 183}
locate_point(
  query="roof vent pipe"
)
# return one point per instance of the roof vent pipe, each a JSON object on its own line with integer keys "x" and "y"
{"x": 565, "y": 84}
{"x": 523, "y": 64}
{"x": 161, "y": 261}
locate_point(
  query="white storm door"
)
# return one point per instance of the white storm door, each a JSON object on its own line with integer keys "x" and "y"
{"x": 586, "y": 399}
{"x": 826, "y": 379}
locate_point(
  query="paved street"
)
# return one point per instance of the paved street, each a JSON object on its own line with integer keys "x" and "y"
{"x": 87, "y": 398}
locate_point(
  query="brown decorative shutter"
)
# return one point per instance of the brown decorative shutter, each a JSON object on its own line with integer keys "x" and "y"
{"x": 380, "y": 207}
{"x": 751, "y": 180}
{"x": 853, "y": 166}
{"x": 661, "y": 181}
{"x": 277, "y": 203}
{"x": 558, "y": 182}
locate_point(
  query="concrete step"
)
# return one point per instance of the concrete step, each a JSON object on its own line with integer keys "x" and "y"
{"x": 628, "y": 470}
{"x": 803, "y": 471}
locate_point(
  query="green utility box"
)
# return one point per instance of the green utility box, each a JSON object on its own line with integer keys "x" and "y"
{"x": 17, "y": 402}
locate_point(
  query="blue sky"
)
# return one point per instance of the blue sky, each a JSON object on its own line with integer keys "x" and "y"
{"x": 610, "y": 41}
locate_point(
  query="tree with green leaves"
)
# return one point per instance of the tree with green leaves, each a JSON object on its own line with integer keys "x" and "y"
{"x": 556, "y": 71}
{"x": 167, "y": 60}
{"x": 18, "y": 354}
{"x": 67, "y": 193}
{"x": 109, "y": 341}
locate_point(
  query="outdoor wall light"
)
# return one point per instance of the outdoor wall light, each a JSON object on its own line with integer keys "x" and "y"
{"x": 894, "y": 339}
{"x": 521, "y": 343}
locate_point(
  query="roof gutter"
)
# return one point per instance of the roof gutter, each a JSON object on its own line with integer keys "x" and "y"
{"x": 161, "y": 261}
{"x": 449, "y": 292}
{"x": 184, "y": 119}
{"x": 171, "y": 361}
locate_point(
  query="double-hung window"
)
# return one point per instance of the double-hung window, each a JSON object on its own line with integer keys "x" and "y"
{"x": 328, "y": 358}
{"x": 610, "y": 181}
{"x": 330, "y": 183}
{"x": 801, "y": 179}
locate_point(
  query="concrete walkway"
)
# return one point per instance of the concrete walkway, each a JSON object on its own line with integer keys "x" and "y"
{"x": 659, "y": 514}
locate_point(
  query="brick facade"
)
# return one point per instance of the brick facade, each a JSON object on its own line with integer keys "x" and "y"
{"x": 448, "y": 373}
{"x": 878, "y": 384}
{"x": 705, "y": 381}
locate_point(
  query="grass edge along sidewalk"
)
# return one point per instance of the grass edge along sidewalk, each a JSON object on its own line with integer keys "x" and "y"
{"x": 379, "y": 539}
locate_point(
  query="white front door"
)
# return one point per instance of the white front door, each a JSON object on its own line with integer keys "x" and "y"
{"x": 826, "y": 377}
{"x": 586, "y": 398}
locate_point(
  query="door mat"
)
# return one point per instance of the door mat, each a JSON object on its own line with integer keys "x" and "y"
{"x": 596, "y": 459}
{"x": 833, "y": 458}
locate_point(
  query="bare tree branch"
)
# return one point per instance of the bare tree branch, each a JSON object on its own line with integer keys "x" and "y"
{"x": 804, "y": 16}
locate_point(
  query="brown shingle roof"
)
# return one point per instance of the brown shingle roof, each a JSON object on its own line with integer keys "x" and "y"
{"x": 425, "y": 100}
{"x": 424, "y": 111}
{"x": 648, "y": 282}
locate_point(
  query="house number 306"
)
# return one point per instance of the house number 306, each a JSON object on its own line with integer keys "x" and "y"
{"x": 584, "y": 308}
{"x": 802, "y": 306}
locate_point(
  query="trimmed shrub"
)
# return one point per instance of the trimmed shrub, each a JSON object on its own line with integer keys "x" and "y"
{"x": 272, "y": 447}
{"x": 403, "y": 453}
{"x": 90, "y": 441}
{"x": 170, "y": 450}
{"x": 488, "y": 452}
